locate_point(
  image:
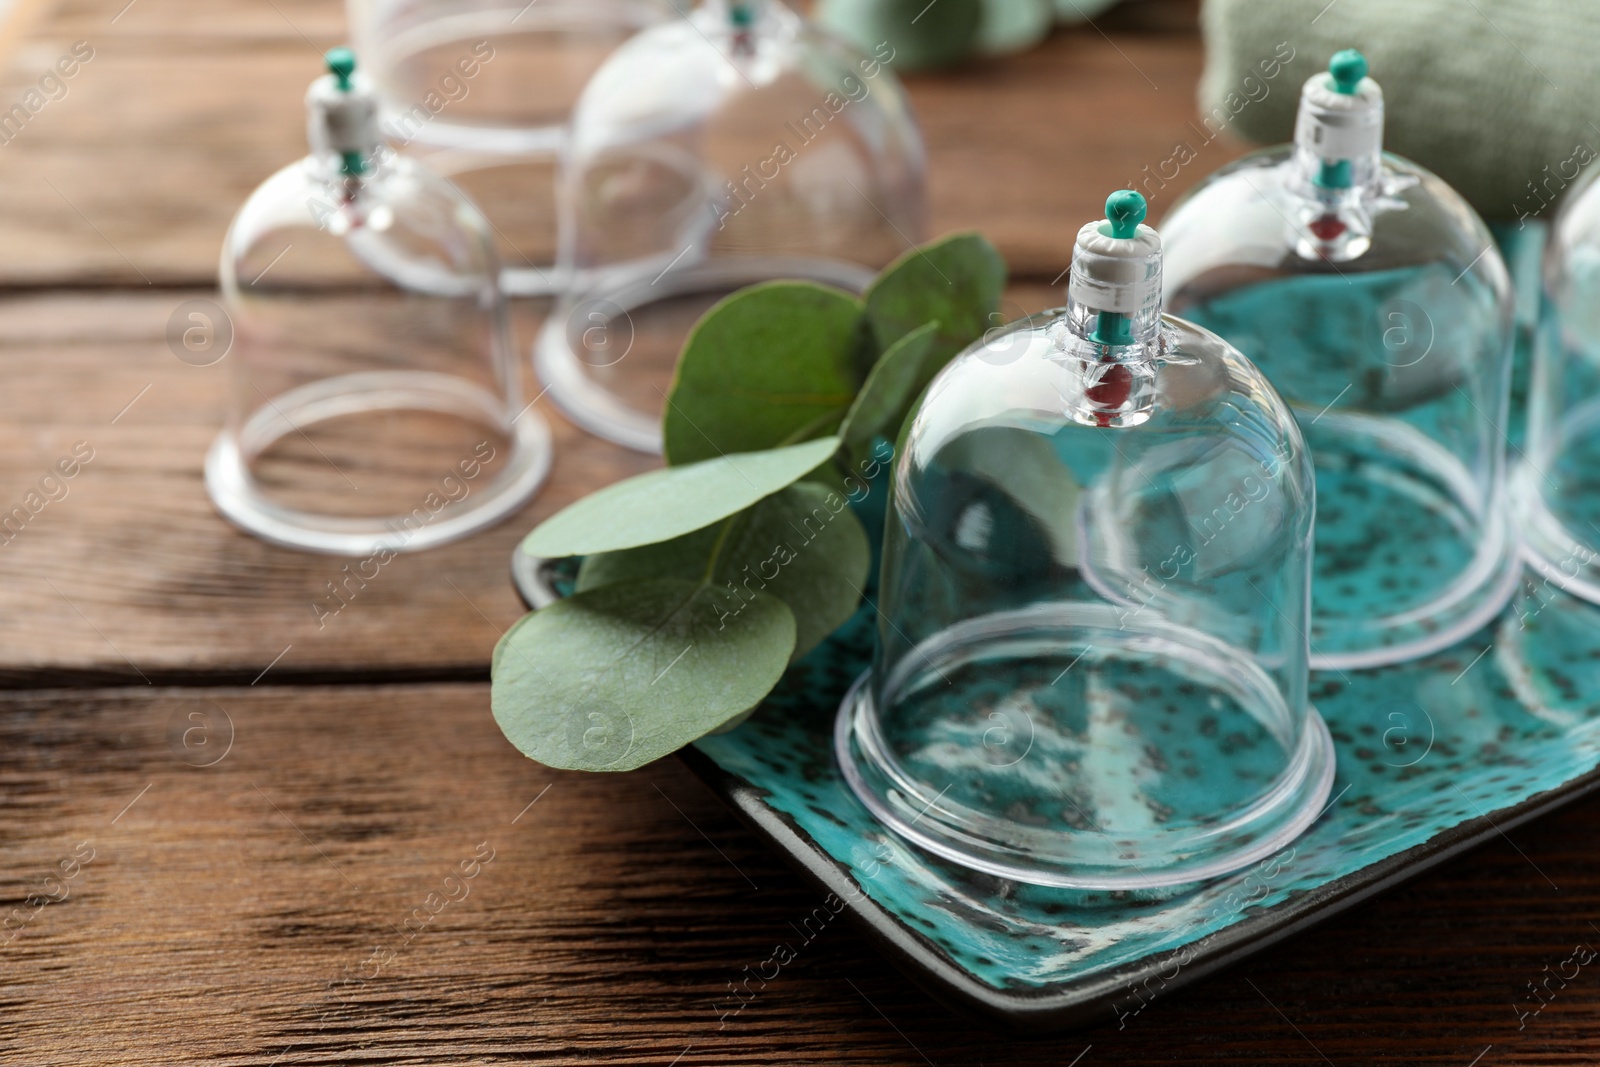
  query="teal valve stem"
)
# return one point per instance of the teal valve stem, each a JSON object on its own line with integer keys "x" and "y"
{"x": 1348, "y": 69}
{"x": 1125, "y": 210}
{"x": 1335, "y": 174}
{"x": 741, "y": 14}
{"x": 1112, "y": 328}
{"x": 341, "y": 64}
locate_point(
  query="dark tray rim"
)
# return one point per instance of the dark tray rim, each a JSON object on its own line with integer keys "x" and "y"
{"x": 1093, "y": 998}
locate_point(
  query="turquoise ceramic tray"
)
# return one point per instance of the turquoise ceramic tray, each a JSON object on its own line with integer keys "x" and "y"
{"x": 1434, "y": 757}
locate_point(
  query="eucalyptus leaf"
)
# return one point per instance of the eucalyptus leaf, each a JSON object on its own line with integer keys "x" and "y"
{"x": 768, "y": 366}
{"x": 899, "y": 377}
{"x": 505, "y": 640}
{"x": 923, "y": 35}
{"x": 803, "y": 545}
{"x": 1013, "y": 25}
{"x": 611, "y": 679}
{"x": 1073, "y": 12}
{"x": 691, "y": 557}
{"x": 1040, "y": 487}
{"x": 956, "y": 281}
{"x": 664, "y": 504}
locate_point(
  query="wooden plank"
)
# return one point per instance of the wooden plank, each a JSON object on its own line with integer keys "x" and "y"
{"x": 133, "y": 576}
{"x": 1028, "y": 149}
{"x": 236, "y": 898}
{"x": 322, "y": 22}
{"x": 186, "y": 114}
{"x": 319, "y": 19}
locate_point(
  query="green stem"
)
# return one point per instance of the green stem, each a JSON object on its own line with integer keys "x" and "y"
{"x": 716, "y": 549}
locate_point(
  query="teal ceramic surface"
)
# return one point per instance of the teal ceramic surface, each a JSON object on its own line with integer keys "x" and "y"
{"x": 1434, "y": 757}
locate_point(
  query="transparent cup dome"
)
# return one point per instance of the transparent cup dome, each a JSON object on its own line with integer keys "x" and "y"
{"x": 1092, "y": 665}
{"x": 1556, "y": 486}
{"x": 481, "y": 90}
{"x": 1376, "y": 301}
{"x": 736, "y": 146}
{"x": 375, "y": 402}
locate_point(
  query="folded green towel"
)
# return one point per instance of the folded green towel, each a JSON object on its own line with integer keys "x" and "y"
{"x": 1501, "y": 98}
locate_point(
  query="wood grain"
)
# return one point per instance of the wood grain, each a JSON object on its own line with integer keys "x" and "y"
{"x": 188, "y": 112}
{"x": 132, "y": 576}
{"x": 248, "y": 903}
{"x": 231, "y": 913}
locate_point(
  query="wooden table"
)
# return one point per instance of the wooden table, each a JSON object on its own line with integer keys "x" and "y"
{"x": 250, "y": 808}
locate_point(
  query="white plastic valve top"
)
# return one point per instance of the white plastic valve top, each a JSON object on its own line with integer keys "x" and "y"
{"x": 1115, "y": 274}
{"x": 1334, "y": 125}
{"x": 341, "y": 121}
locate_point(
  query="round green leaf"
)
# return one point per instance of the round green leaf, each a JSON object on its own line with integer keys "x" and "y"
{"x": 922, "y": 35}
{"x": 768, "y": 366}
{"x": 1013, "y": 25}
{"x": 691, "y": 557}
{"x": 956, "y": 281}
{"x": 505, "y": 640}
{"x": 611, "y": 679}
{"x": 894, "y": 384}
{"x": 1073, "y": 12}
{"x": 803, "y": 545}
{"x": 664, "y": 504}
{"x": 1037, "y": 482}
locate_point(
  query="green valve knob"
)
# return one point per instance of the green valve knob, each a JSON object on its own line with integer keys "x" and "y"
{"x": 341, "y": 64}
{"x": 1348, "y": 69}
{"x": 1125, "y": 209}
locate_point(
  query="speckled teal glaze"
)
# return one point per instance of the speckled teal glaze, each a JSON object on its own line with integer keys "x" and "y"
{"x": 1422, "y": 748}
{"x": 1359, "y": 342}
{"x": 1392, "y": 540}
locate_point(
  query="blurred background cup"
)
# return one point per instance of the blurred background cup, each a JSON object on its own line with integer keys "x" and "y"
{"x": 738, "y": 145}
{"x": 481, "y": 91}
